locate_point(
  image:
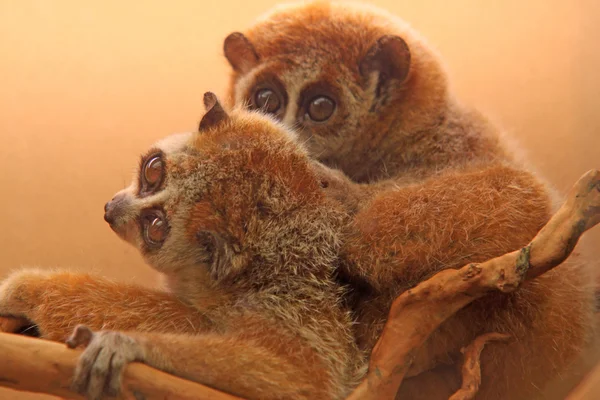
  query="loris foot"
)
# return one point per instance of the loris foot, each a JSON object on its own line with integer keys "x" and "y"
{"x": 99, "y": 371}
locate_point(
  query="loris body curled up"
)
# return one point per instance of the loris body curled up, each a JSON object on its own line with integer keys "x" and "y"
{"x": 436, "y": 185}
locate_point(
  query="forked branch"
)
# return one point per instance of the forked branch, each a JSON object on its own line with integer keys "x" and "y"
{"x": 432, "y": 302}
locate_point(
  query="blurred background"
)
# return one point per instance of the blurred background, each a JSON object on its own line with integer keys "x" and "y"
{"x": 87, "y": 86}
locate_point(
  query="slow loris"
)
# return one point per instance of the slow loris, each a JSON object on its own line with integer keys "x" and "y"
{"x": 370, "y": 97}
{"x": 235, "y": 218}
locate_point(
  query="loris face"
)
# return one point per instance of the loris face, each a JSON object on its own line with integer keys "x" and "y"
{"x": 341, "y": 75}
{"x": 209, "y": 199}
{"x": 150, "y": 213}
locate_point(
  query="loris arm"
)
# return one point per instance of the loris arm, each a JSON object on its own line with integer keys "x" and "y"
{"x": 57, "y": 301}
{"x": 406, "y": 234}
{"x": 456, "y": 218}
{"x": 251, "y": 367}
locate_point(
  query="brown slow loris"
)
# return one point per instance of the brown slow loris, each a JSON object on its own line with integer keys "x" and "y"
{"x": 248, "y": 232}
{"x": 235, "y": 218}
{"x": 391, "y": 226}
{"x": 436, "y": 185}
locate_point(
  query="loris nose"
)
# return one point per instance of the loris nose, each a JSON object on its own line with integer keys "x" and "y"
{"x": 113, "y": 208}
{"x": 108, "y": 216}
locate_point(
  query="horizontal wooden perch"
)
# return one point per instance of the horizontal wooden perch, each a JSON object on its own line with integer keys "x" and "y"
{"x": 42, "y": 366}
{"x": 46, "y": 367}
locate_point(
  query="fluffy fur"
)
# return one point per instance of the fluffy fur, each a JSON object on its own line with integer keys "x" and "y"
{"x": 249, "y": 255}
{"x": 436, "y": 186}
{"x": 257, "y": 232}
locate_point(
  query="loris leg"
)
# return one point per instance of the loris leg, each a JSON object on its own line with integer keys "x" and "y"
{"x": 245, "y": 365}
{"x": 55, "y": 302}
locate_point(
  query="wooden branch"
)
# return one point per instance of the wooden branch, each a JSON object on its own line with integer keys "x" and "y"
{"x": 471, "y": 370}
{"x": 418, "y": 312}
{"x": 47, "y": 367}
{"x": 41, "y": 366}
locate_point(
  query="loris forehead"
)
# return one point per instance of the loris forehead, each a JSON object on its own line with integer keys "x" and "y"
{"x": 319, "y": 30}
{"x": 260, "y": 137}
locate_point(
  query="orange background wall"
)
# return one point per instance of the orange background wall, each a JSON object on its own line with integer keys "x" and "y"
{"x": 87, "y": 86}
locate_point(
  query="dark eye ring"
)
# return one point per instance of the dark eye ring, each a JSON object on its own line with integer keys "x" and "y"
{"x": 268, "y": 100}
{"x": 154, "y": 227}
{"x": 320, "y": 108}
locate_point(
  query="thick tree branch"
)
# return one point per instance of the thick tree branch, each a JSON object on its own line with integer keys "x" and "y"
{"x": 41, "y": 366}
{"x": 46, "y": 367}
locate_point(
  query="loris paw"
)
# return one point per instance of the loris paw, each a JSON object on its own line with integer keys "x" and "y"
{"x": 99, "y": 371}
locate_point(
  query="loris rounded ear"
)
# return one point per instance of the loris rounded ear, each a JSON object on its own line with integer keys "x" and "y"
{"x": 215, "y": 114}
{"x": 240, "y": 52}
{"x": 389, "y": 57}
{"x": 218, "y": 254}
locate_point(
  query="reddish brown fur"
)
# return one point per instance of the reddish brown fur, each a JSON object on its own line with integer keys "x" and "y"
{"x": 300, "y": 46}
{"x": 257, "y": 313}
{"x": 250, "y": 162}
{"x": 402, "y": 235}
{"x": 443, "y": 190}
{"x": 57, "y": 301}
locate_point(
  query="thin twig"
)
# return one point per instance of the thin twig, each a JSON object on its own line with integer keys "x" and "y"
{"x": 471, "y": 370}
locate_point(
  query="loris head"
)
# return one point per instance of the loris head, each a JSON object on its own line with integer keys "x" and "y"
{"x": 235, "y": 196}
{"x": 343, "y": 75}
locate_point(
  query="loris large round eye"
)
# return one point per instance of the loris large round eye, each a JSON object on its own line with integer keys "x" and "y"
{"x": 320, "y": 108}
{"x": 154, "y": 228}
{"x": 153, "y": 171}
{"x": 267, "y": 100}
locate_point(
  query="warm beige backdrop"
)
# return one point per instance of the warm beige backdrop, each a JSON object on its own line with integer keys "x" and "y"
{"x": 87, "y": 86}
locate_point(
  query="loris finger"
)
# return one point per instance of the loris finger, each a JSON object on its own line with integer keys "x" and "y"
{"x": 101, "y": 373}
{"x": 100, "y": 368}
{"x": 81, "y": 377}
